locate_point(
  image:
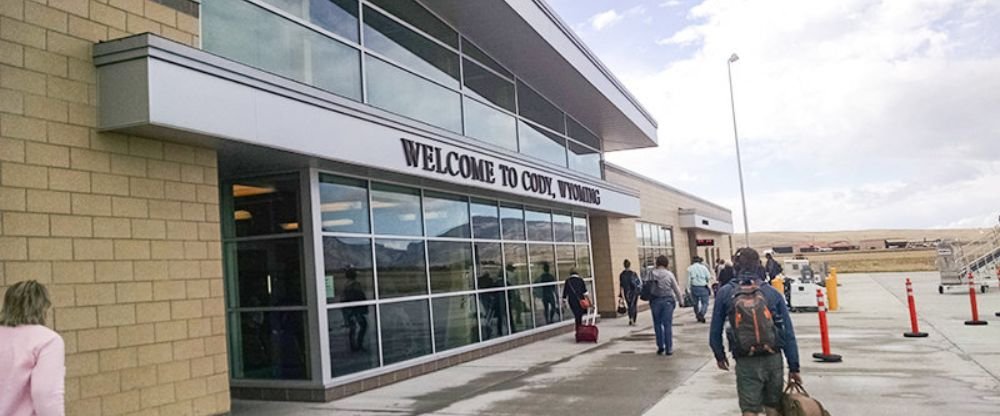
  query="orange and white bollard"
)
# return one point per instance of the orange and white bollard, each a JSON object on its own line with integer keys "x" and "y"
{"x": 914, "y": 328}
{"x": 824, "y": 333}
{"x": 972, "y": 301}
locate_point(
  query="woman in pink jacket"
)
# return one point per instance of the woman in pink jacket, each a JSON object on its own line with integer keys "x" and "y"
{"x": 32, "y": 356}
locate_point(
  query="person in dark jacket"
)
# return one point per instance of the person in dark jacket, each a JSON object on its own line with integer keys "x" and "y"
{"x": 629, "y": 286}
{"x": 772, "y": 267}
{"x": 726, "y": 273}
{"x": 759, "y": 378}
{"x": 575, "y": 290}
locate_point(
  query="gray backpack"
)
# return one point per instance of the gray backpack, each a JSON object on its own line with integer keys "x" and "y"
{"x": 753, "y": 331}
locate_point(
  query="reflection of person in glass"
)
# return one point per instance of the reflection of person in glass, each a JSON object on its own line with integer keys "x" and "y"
{"x": 547, "y": 294}
{"x": 491, "y": 305}
{"x": 355, "y": 317}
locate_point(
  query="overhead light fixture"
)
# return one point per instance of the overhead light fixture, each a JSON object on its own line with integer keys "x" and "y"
{"x": 340, "y": 206}
{"x": 383, "y": 204}
{"x": 240, "y": 191}
{"x": 289, "y": 226}
{"x": 242, "y": 215}
{"x": 338, "y": 223}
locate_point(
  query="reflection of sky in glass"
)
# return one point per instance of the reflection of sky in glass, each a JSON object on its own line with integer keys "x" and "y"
{"x": 406, "y": 94}
{"x": 385, "y": 36}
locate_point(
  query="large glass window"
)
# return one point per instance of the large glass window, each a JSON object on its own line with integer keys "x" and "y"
{"x": 273, "y": 43}
{"x": 536, "y": 108}
{"x": 488, "y": 86}
{"x": 489, "y": 265}
{"x": 343, "y": 204}
{"x": 406, "y": 330}
{"x": 403, "y": 93}
{"x": 654, "y": 240}
{"x": 580, "y": 229}
{"x": 337, "y": 16}
{"x": 562, "y": 227}
{"x": 410, "y": 49}
{"x": 353, "y": 339}
{"x": 539, "y": 225}
{"x": 512, "y": 220}
{"x": 272, "y": 345}
{"x": 515, "y": 263}
{"x": 419, "y": 17}
{"x": 474, "y": 52}
{"x": 577, "y": 132}
{"x": 583, "y": 261}
{"x": 493, "y": 314}
{"x": 485, "y": 219}
{"x": 584, "y": 159}
{"x": 269, "y": 272}
{"x": 446, "y": 215}
{"x": 545, "y": 303}
{"x": 348, "y": 269}
{"x": 396, "y": 210}
{"x": 401, "y": 268}
{"x": 565, "y": 260}
{"x": 450, "y": 266}
{"x": 263, "y": 206}
{"x": 490, "y": 125}
{"x": 541, "y": 144}
{"x": 455, "y": 321}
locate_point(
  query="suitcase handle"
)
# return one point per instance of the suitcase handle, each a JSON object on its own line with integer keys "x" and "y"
{"x": 796, "y": 387}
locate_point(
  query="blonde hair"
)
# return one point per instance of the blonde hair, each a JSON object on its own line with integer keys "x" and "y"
{"x": 25, "y": 303}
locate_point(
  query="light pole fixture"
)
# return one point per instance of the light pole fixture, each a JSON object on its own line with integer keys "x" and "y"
{"x": 736, "y": 137}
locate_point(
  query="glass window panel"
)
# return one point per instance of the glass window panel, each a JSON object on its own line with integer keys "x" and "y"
{"x": 403, "y": 93}
{"x": 541, "y": 144}
{"x": 446, "y": 215}
{"x": 493, "y": 314}
{"x": 565, "y": 261}
{"x": 343, "y": 204}
{"x": 455, "y": 321}
{"x": 651, "y": 257}
{"x": 489, "y": 265}
{"x": 512, "y": 219}
{"x": 348, "y": 269}
{"x": 475, "y": 53}
{"x": 576, "y": 131}
{"x": 272, "y": 346}
{"x": 488, "y": 86}
{"x": 580, "y": 229}
{"x": 264, "y": 206}
{"x": 584, "y": 159}
{"x": 533, "y": 106}
{"x": 638, "y": 233}
{"x": 353, "y": 339}
{"x": 400, "y": 267}
{"x": 647, "y": 234}
{"x": 562, "y": 227}
{"x": 545, "y": 301}
{"x": 519, "y": 302}
{"x": 485, "y": 219}
{"x": 410, "y": 49}
{"x": 539, "y": 225}
{"x": 490, "y": 125}
{"x": 668, "y": 237}
{"x": 406, "y": 330}
{"x": 396, "y": 210}
{"x": 654, "y": 232}
{"x": 248, "y": 34}
{"x": 516, "y": 264}
{"x": 414, "y": 14}
{"x": 583, "y": 261}
{"x": 543, "y": 260}
{"x": 269, "y": 273}
{"x": 564, "y": 310}
{"x": 337, "y": 16}
{"x": 450, "y": 266}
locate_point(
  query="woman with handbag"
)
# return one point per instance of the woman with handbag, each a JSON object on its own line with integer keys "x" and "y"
{"x": 665, "y": 296}
{"x": 576, "y": 296}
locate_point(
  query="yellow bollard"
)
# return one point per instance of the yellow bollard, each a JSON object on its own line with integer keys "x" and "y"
{"x": 779, "y": 283}
{"x": 831, "y": 289}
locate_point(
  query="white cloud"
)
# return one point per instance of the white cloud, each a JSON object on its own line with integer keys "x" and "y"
{"x": 852, "y": 114}
{"x": 605, "y": 19}
{"x": 670, "y": 3}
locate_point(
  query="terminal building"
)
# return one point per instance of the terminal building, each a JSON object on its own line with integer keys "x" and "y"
{"x": 304, "y": 199}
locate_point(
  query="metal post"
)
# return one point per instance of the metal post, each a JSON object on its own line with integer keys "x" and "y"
{"x": 736, "y": 137}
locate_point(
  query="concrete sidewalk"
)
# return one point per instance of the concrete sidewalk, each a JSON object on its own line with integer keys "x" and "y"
{"x": 956, "y": 370}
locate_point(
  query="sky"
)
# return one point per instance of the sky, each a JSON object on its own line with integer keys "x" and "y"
{"x": 852, "y": 114}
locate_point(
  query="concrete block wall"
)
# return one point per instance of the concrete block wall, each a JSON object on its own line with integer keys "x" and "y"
{"x": 123, "y": 230}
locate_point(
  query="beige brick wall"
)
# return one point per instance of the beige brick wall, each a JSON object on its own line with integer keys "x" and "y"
{"x": 117, "y": 227}
{"x": 614, "y": 238}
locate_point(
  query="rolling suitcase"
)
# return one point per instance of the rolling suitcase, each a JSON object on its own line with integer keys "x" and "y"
{"x": 587, "y": 332}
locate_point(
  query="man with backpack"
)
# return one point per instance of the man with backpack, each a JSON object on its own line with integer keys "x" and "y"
{"x": 760, "y": 331}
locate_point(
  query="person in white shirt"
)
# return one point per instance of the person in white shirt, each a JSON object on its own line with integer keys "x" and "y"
{"x": 699, "y": 282}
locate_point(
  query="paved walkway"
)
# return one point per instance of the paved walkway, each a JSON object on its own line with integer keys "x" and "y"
{"x": 956, "y": 370}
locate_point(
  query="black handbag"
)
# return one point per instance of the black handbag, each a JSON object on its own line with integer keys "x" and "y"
{"x": 622, "y": 308}
{"x": 646, "y": 293}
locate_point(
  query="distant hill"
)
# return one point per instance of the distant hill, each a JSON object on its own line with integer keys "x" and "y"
{"x": 768, "y": 239}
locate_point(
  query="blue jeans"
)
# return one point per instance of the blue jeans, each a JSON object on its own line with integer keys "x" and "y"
{"x": 663, "y": 322}
{"x": 699, "y": 295}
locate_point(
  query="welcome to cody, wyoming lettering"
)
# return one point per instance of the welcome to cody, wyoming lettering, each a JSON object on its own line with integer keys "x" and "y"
{"x": 433, "y": 159}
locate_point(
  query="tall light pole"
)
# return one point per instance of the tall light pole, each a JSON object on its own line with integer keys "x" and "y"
{"x": 736, "y": 137}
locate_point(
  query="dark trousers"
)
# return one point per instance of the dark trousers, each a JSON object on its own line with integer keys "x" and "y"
{"x": 632, "y": 301}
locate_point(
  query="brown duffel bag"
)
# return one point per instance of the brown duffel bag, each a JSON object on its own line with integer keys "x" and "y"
{"x": 796, "y": 402}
